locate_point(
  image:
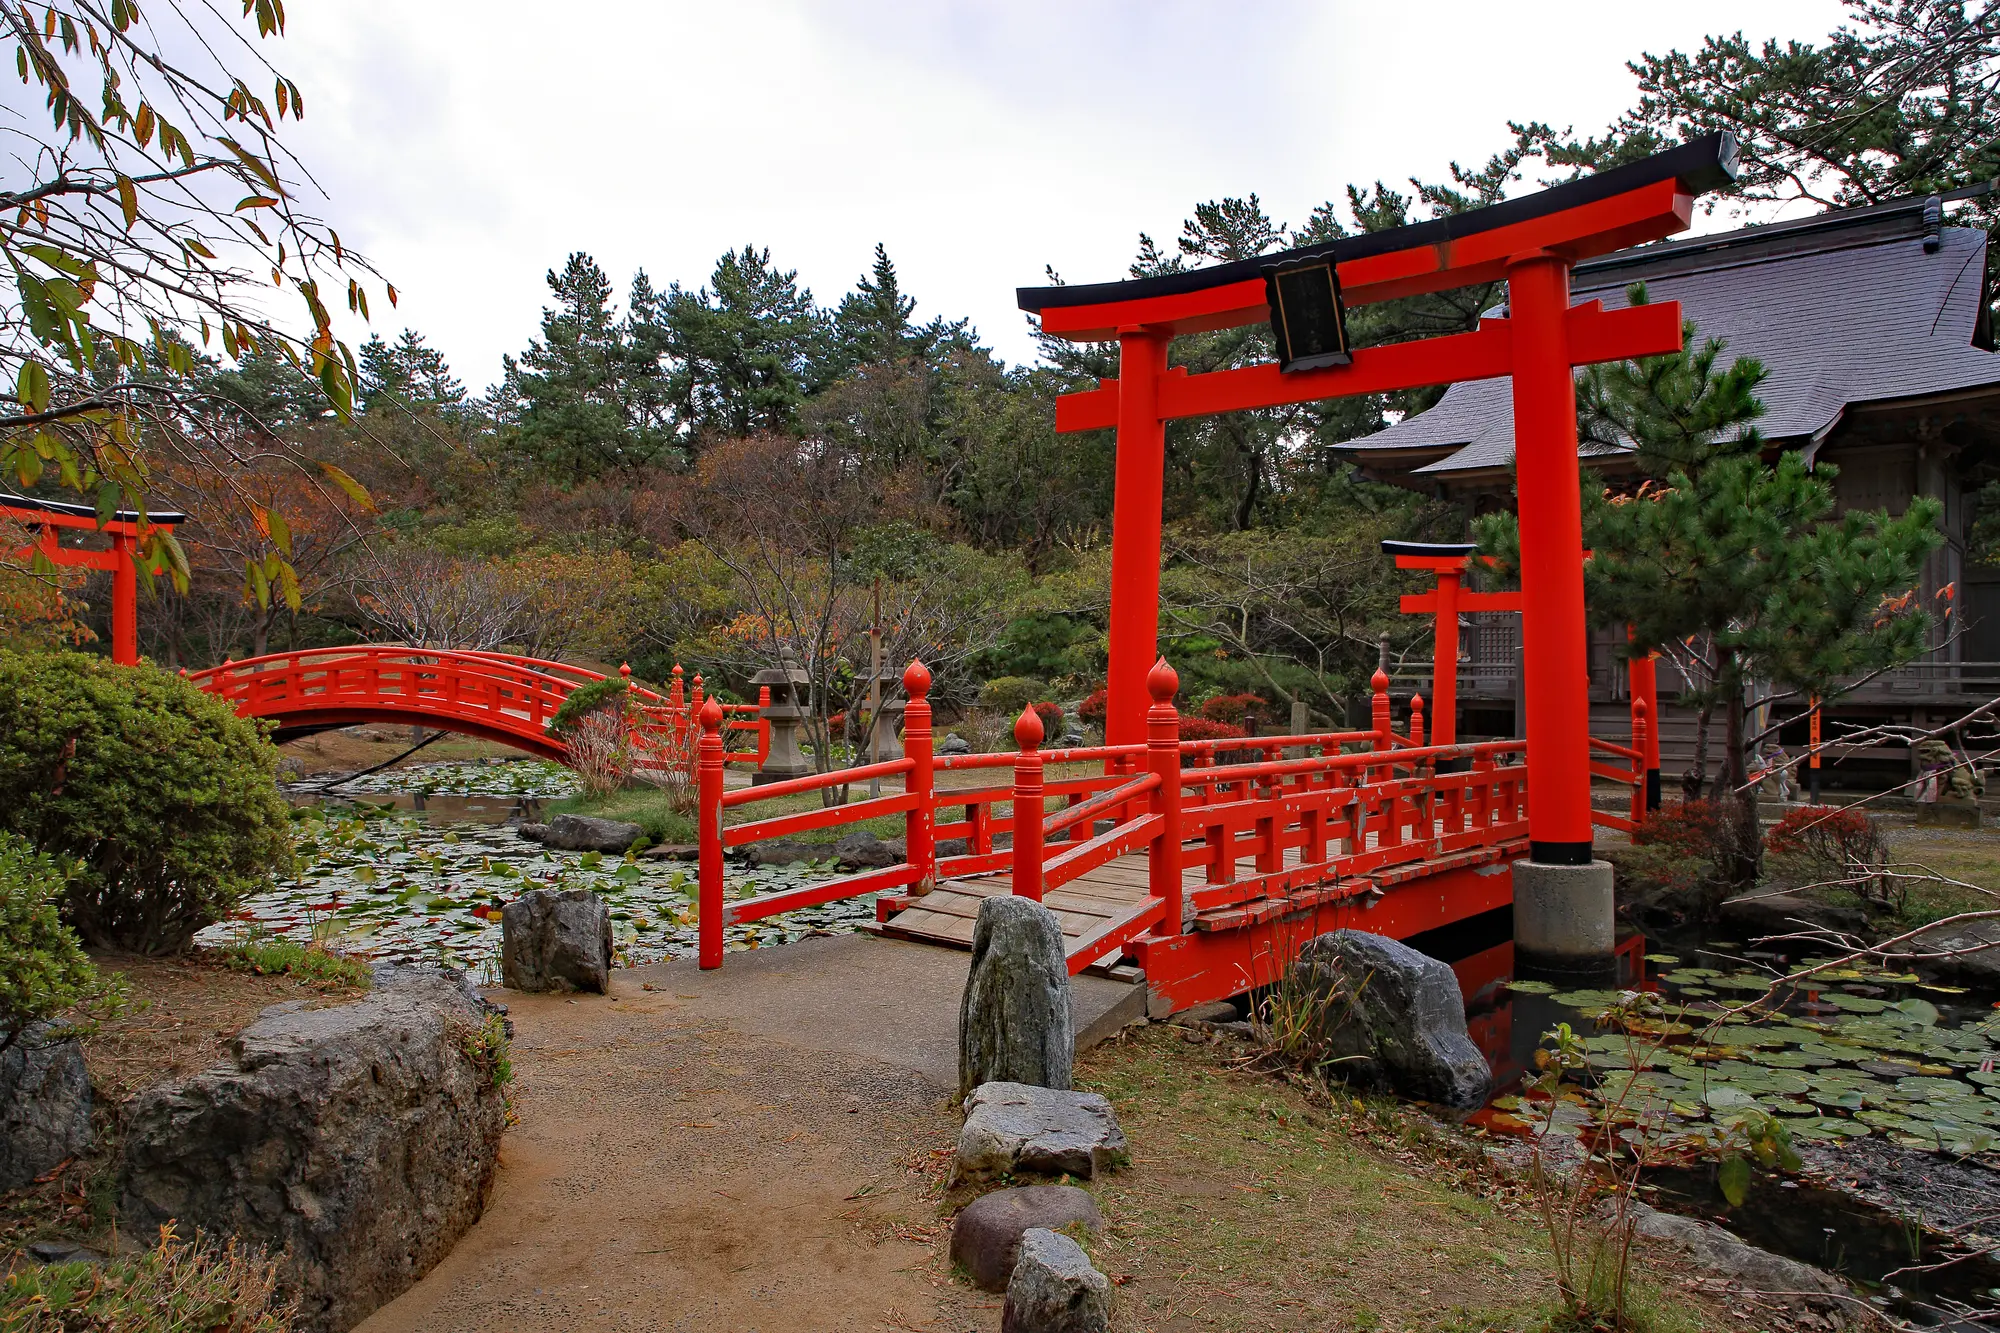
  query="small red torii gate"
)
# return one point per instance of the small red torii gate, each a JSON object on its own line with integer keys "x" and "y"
{"x": 126, "y": 528}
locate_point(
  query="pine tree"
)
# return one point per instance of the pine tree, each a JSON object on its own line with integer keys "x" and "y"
{"x": 1739, "y": 569}
{"x": 568, "y": 391}
{"x": 409, "y": 373}
{"x": 741, "y": 348}
{"x": 873, "y": 321}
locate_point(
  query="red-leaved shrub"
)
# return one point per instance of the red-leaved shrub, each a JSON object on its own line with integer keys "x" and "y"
{"x": 1822, "y": 844}
{"x": 1207, "y": 729}
{"x": 1091, "y": 710}
{"x": 1232, "y": 707}
{"x": 1051, "y": 715}
{"x": 1693, "y": 827}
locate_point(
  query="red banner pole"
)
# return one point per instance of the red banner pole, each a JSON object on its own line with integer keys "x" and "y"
{"x": 1135, "y": 533}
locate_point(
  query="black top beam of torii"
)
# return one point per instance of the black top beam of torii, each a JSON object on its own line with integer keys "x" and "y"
{"x": 1707, "y": 163}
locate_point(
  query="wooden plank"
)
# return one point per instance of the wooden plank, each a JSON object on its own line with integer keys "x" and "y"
{"x": 1072, "y": 922}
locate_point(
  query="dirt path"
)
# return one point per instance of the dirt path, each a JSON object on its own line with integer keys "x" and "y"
{"x": 737, "y": 1150}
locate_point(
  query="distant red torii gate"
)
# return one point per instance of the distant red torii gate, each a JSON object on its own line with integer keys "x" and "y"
{"x": 126, "y": 528}
{"x": 1531, "y": 243}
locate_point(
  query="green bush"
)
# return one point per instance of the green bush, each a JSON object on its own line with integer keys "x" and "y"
{"x": 178, "y": 1285}
{"x": 161, "y": 794}
{"x": 584, "y": 700}
{"x": 43, "y": 971}
{"x": 1010, "y": 694}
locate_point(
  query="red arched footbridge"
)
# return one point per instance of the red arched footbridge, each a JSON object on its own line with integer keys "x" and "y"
{"x": 495, "y": 696}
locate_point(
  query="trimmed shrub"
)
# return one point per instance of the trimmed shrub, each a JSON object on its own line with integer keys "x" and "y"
{"x": 43, "y": 971}
{"x": 1092, "y": 710}
{"x": 584, "y": 700}
{"x": 166, "y": 799}
{"x": 1231, "y": 707}
{"x": 1010, "y": 694}
{"x": 1051, "y": 715}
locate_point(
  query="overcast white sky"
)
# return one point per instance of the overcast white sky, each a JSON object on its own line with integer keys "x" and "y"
{"x": 469, "y": 147}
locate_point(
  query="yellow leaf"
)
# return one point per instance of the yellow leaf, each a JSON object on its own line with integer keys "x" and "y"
{"x": 128, "y": 200}
{"x": 355, "y": 490}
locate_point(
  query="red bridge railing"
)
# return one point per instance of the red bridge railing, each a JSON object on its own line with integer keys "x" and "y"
{"x": 1316, "y": 817}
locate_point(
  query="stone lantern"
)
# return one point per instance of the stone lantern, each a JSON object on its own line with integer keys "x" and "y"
{"x": 882, "y": 731}
{"x": 790, "y": 690}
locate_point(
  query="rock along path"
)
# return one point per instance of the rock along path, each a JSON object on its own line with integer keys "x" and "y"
{"x": 727, "y": 1150}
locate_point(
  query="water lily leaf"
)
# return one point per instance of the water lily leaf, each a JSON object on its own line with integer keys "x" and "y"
{"x": 1744, "y": 982}
{"x": 1922, "y": 1011}
{"x": 1683, "y": 974}
{"x": 1853, "y": 1004}
{"x": 1662, "y": 959}
{"x": 1531, "y": 987}
{"x": 1587, "y": 999}
{"x": 1733, "y": 1179}
{"x": 1696, "y": 990}
{"x": 1722, "y": 1097}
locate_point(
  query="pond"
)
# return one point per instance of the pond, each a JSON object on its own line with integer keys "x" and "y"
{"x": 1697, "y": 1050}
{"x": 414, "y": 865}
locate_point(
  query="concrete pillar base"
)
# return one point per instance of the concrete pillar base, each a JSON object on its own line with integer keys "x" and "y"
{"x": 1564, "y": 920}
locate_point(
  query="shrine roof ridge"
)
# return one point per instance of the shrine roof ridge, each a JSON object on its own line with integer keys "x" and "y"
{"x": 1702, "y": 164}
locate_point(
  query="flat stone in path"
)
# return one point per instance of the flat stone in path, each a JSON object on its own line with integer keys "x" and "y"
{"x": 986, "y": 1235}
{"x": 1015, "y": 1127}
{"x": 1054, "y": 1289}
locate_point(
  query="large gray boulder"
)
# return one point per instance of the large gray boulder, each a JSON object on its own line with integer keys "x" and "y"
{"x": 1393, "y": 1018}
{"x": 359, "y": 1140}
{"x": 1966, "y": 952}
{"x": 1014, "y": 1021}
{"x": 1013, "y": 1128}
{"x": 864, "y": 851}
{"x": 986, "y": 1235}
{"x": 44, "y": 1104}
{"x": 587, "y": 833}
{"x": 1054, "y": 1289}
{"x": 556, "y": 941}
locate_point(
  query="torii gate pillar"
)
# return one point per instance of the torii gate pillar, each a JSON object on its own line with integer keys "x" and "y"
{"x": 1138, "y": 486}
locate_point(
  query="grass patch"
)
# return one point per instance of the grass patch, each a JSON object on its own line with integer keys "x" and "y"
{"x": 648, "y": 807}
{"x": 175, "y": 1285}
{"x": 1251, "y": 1206}
{"x": 272, "y": 957}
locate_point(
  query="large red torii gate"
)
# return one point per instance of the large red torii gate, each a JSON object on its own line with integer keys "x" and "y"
{"x": 1530, "y": 243}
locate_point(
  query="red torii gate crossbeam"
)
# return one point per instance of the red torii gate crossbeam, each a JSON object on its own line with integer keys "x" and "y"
{"x": 126, "y": 528}
{"x": 1530, "y": 243}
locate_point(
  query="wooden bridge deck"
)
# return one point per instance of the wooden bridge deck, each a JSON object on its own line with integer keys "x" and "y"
{"x": 1089, "y": 907}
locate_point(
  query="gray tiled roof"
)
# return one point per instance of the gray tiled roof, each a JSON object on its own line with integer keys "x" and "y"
{"x": 1839, "y": 312}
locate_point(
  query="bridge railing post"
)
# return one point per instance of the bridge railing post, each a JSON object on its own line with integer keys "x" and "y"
{"x": 1378, "y": 715}
{"x": 1028, "y": 806}
{"x": 920, "y": 822}
{"x": 1641, "y": 726}
{"x": 1163, "y": 758}
{"x": 709, "y": 793}
{"x": 764, "y": 721}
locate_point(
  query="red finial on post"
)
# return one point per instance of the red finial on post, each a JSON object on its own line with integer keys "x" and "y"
{"x": 709, "y": 787}
{"x": 1378, "y": 708}
{"x": 1028, "y": 806}
{"x": 625, "y": 671}
{"x": 1416, "y": 719}
{"x": 920, "y": 822}
{"x": 694, "y": 700}
{"x": 1163, "y": 758}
